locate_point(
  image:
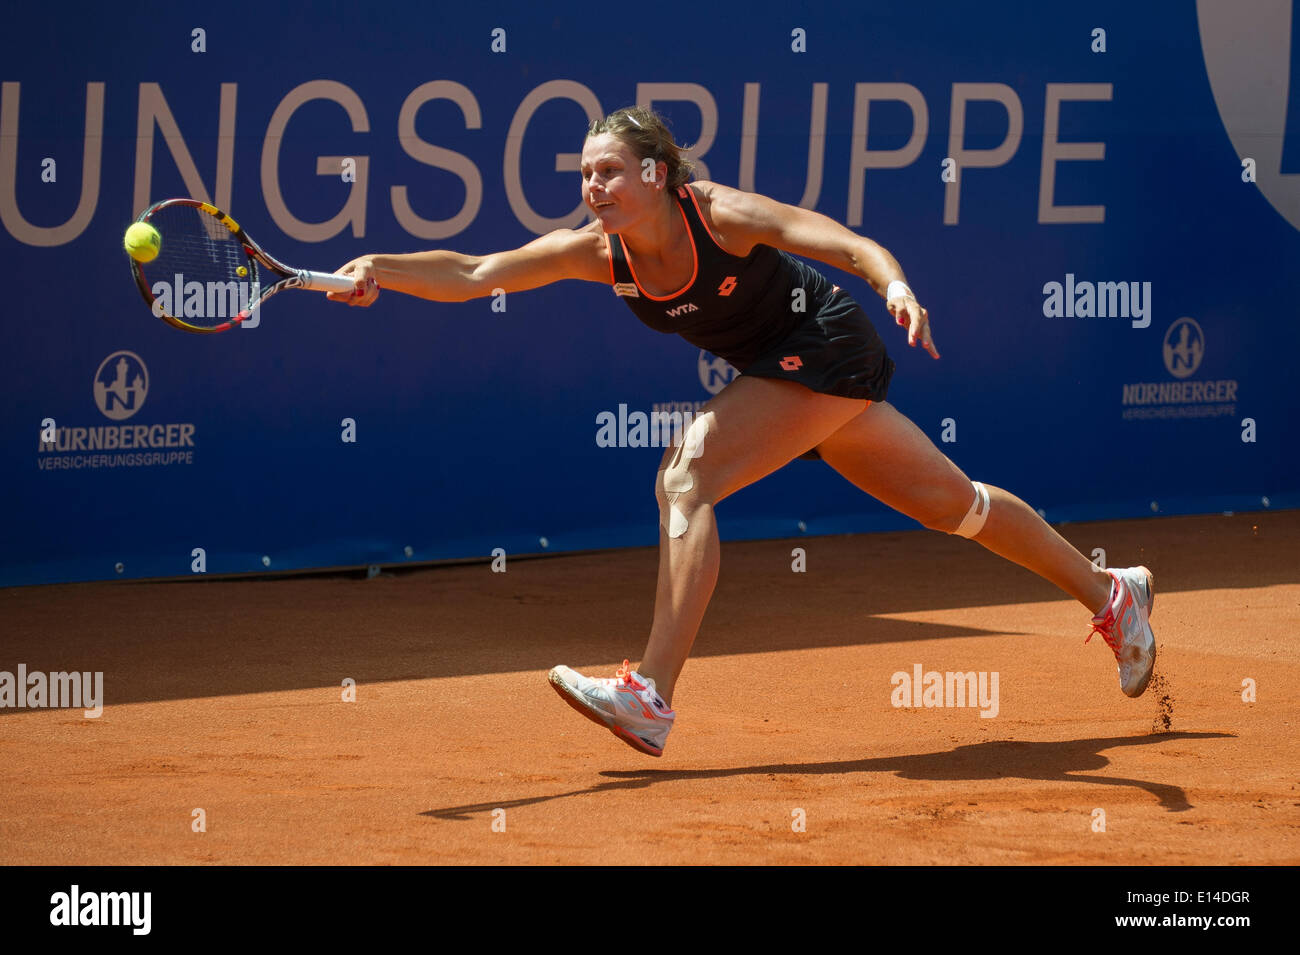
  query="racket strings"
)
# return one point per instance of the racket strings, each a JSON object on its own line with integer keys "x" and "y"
{"x": 202, "y": 273}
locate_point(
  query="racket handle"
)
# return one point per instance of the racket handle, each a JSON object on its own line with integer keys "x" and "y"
{"x": 326, "y": 282}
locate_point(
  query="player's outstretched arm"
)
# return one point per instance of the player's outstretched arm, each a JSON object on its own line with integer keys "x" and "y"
{"x": 445, "y": 276}
{"x": 749, "y": 219}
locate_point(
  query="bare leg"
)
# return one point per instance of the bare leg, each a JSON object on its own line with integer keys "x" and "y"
{"x": 886, "y": 455}
{"x": 757, "y": 425}
{"x": 688, "y": 574}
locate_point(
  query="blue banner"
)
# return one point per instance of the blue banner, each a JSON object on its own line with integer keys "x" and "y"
{"x": 1098, "y": 207}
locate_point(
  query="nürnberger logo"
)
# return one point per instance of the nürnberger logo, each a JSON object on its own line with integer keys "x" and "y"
{"x": 1184, "y": 347}
{"x": 1183, "y": 351}
{"x": 121, "y": 385}
{"x": 715, "y": 373}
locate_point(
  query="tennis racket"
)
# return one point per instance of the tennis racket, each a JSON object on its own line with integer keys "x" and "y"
{"x": 209, "y": 275}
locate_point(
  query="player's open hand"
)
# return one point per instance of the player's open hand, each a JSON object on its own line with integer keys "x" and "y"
{"x": 365, "y": 288}
{"x": 908, "y": 312}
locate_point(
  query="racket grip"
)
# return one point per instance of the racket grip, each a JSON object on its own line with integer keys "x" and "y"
{"x": 326, "y": 282}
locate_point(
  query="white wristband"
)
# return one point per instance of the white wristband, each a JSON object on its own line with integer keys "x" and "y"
{"x": 897, "y": 288}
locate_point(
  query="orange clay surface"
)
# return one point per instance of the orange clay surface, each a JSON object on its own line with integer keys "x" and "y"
{"x": 226, "y": 696}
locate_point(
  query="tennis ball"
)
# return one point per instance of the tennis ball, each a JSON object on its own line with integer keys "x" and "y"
{"x": 142, "y": 242}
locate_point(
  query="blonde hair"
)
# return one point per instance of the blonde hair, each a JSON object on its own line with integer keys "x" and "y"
{"x": 646, "y": 133}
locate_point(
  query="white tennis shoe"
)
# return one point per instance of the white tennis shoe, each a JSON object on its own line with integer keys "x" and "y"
{"x": 628, "y": 705}
{"x": 1124, "y": 623}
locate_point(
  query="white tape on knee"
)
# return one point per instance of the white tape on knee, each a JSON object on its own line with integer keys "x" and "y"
{"x": 676, "y": 478}
{"x": 974, "y": 520}
{"x": 677, "y": 522}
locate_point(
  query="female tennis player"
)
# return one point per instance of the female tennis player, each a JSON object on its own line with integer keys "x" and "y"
{"x": 717, "y": 266}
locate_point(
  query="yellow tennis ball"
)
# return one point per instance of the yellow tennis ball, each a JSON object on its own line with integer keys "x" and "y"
{"x": 142, "y": 242}
{"x": 241, "y": 271}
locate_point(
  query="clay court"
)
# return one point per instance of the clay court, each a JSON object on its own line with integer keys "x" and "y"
{"x": 226, "y": 696}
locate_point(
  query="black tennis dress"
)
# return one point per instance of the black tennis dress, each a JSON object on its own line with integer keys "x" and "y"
{"x": 747, "y": 312}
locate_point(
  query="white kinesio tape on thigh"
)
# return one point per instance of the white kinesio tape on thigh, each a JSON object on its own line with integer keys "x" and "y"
{"x": 693, "y": 440}
{"x": 974, "y": 520}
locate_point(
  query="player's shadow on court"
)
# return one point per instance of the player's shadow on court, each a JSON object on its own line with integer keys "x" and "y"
{"x": 1065, "y": 761}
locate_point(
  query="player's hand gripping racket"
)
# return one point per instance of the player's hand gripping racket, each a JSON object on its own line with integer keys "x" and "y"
{"x": 208, "y": 275}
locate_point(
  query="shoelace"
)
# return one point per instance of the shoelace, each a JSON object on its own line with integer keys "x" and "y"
{"x": 624, "y": 676}
{"x": 1107, "y": 630}
{"x": 1107, "y": 627}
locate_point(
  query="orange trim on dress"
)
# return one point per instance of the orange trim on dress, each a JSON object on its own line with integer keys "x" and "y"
{"x": 695, "y": 269}
{"x": 609, "y": 254}
{"x": 690, "y": 192}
